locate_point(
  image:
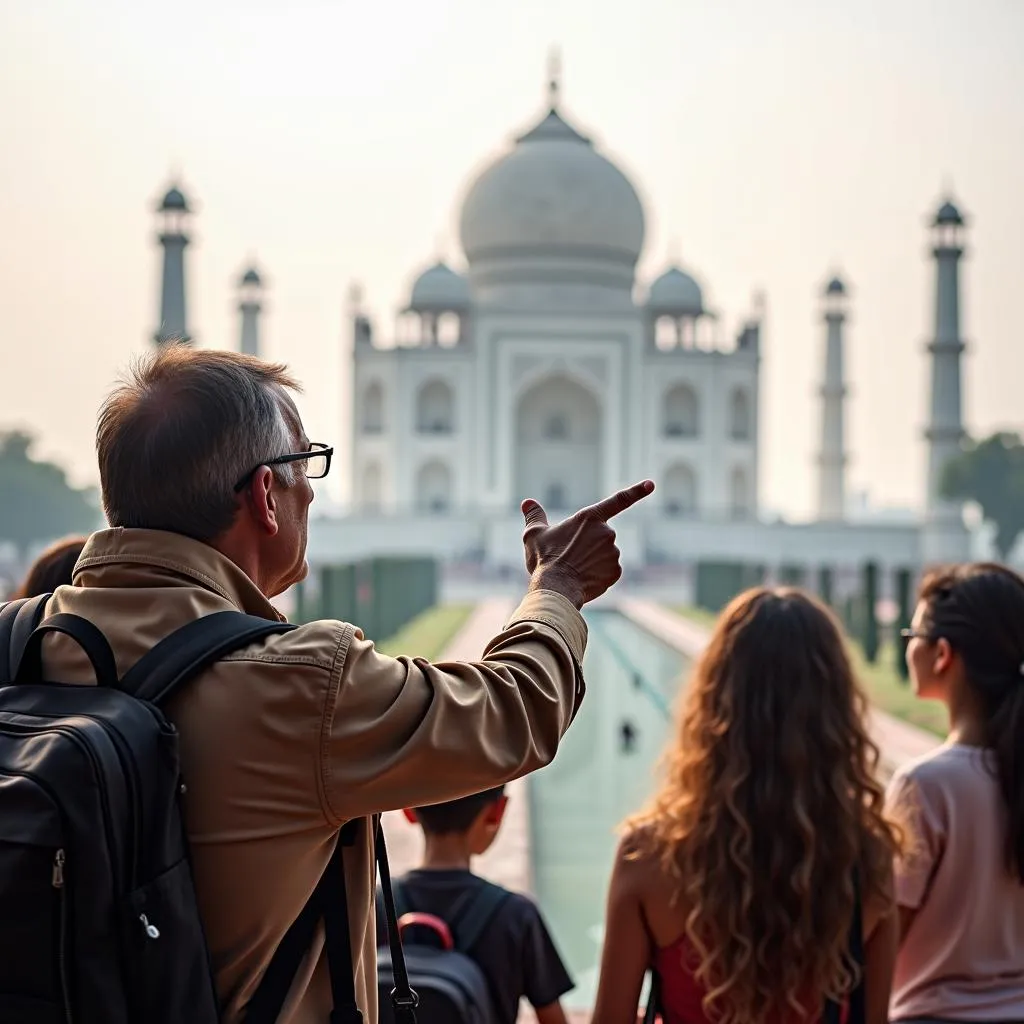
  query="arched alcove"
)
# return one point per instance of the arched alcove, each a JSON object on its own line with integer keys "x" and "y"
{"x": 373, "y": 488}
{"x": 681, "y": 415}
{"x": 740, "y": 426}
{"x": 435, "y": 408}
{"x": 373, "y": 409}
{"x": 679, "y": 488}
{"x": 739, "y": 493}
{"x": 558, "y": 443}
{"x": 434, "y": 488}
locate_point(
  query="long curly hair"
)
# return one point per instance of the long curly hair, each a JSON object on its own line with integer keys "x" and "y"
{"x": 768, "y": 808}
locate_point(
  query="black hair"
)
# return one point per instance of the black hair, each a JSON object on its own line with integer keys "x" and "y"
{"x": 979, "y": 609}
{"x": 456, "y": 815}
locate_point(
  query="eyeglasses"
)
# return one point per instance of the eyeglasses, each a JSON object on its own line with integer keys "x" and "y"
{"x": 315, "y": 463}
{"x": 906, "y": 635}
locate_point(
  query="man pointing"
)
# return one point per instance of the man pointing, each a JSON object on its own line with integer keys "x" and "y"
{"x": 205, "y": 468}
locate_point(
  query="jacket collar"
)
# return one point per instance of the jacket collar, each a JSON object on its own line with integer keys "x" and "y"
{"x": 127, "y": 558}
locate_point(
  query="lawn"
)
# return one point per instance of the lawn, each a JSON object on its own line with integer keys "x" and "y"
{"x": 427, "y": 635}
{"x": 698, "y": 616}
{"x": 888, "y": 690}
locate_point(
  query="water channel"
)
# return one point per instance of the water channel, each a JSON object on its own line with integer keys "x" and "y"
{"x": 577, "y": 802}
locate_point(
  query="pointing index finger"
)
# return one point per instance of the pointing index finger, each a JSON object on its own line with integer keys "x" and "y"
{"x": 621, "y": 500}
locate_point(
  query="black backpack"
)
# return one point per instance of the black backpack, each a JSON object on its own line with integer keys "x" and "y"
{"x": 98, "y": 916}
{"x": 450, "y": 985}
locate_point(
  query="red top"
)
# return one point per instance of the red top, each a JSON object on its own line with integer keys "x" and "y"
{"x": 681, "y": 993}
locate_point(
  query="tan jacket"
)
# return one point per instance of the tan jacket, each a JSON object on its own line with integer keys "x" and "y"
{"x": 284, "y": 742}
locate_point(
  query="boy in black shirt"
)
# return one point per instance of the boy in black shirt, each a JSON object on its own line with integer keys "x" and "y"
{"x": 515, "y": 950}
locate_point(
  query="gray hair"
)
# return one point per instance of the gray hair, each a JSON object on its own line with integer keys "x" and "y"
{"x": 182, "y": 428}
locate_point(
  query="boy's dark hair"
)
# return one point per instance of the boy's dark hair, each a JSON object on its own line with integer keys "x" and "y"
{"x": 456, "y": 815}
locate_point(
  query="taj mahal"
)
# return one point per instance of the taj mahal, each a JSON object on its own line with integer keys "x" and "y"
{"x": 545, "y": 368}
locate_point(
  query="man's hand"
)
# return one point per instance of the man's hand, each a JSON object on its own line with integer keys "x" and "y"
{"x": 577, "y": 557}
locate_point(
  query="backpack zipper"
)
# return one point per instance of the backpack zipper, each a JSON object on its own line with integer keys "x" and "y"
{"x": 134, "y": 782}
{"x": 57, "y": 880}
{"x": 58, "y": 884}
{"x": 11, "y": 729}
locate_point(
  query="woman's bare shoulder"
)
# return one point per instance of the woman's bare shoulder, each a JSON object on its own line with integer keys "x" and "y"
{"x": 640, "y": 859}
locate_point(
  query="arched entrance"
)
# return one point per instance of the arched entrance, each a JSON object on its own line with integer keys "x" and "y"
{"x": 434, "y": 488}
{"x": 558, "y": 445}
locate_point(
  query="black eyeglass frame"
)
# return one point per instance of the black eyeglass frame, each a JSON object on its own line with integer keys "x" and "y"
{"x": 316, "y": 448}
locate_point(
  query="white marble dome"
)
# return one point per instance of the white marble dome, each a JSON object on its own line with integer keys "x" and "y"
{"x": 440, "y": 288}
{"x": 552, "y": 197}
{"x": 675, "y": 292}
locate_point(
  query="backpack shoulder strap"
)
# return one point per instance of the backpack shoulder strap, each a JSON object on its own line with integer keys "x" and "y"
{"x": 194, "y": 647}
{"x": 17, "y": 621}
{"x": 400, "y": 891}
{"x": 469, "y": 922}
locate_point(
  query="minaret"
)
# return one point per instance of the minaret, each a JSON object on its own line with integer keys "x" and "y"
{"x": 944, "y": 537}
{"x": 250, "y": 303}
{"x": 174, "y": 213}
{"x": 832, "y": 457}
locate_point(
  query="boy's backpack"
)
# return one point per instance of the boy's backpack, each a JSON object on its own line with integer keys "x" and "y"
{"x": 451, "y": 986}
{"x": 98, "y": 917}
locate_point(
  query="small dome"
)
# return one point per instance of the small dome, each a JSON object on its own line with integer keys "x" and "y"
{"x": 948, "y": 214}
{"x": 675, "y": 292}
{"x": 251, "y": 276}
{"x": 835, "y": 287}
{"x": 174, "y": 200}
{"x": 440, "y": 288}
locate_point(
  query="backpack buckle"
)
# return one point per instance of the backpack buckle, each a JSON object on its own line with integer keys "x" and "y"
{"x": 404, "y": 1002}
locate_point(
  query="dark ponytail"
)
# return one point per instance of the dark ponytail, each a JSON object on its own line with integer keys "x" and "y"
{"x": 979, "y": 609}
{"x": 1006, "y": 738}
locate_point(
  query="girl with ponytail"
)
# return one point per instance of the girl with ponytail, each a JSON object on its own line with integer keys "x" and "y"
{"x": 960, "y": 881}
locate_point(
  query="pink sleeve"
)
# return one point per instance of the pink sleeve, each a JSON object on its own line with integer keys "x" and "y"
{"x": 923, "y": 840}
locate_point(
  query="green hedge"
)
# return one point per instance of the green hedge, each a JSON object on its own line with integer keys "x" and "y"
{"x": 379, "y": 595}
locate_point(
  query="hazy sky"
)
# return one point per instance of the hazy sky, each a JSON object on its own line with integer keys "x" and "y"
{"x": 332, "y": 141}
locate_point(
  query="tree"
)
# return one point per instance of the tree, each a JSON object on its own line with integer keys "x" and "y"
{"x": 869, "y": 636}
{"x": 37, "y": 503}
{"x": 991, "y": 473}
{"x": 904, "y": 581}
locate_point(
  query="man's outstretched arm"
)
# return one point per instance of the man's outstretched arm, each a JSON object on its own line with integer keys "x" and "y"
{"x": 402, "y": 732}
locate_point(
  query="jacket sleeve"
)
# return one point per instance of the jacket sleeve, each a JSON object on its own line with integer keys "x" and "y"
{"x": 401, "y": 732}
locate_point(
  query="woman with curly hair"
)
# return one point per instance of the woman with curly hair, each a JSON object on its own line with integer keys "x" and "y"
{"x": 960, "y": 883}
{"x": 761, "y": 872}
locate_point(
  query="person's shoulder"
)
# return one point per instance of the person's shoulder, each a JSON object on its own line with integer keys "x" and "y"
{"x": 639, "y": 858}
{"x": 949, "y": 775}
{"x": 938, "y": 766}
{"x": 322, "y": 644}
{"x": 512, "y": 902}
